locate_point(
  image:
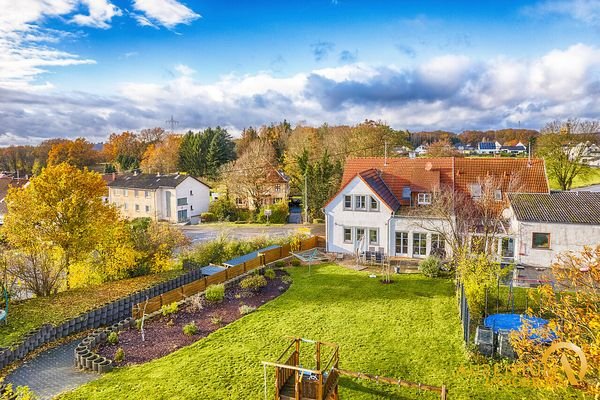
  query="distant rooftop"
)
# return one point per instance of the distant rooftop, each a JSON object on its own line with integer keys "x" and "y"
{"x": 148, "y": 181}
{"x": 557, "y": 207}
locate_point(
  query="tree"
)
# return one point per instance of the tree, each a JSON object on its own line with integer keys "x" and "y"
{"x": 369, "y": 138}
{"x": 442, "y": 148}
{"x": 124, "y": 150}
{"x": 572, "y": 306}
{"x": 163, "y": 156}
{"x": 152, "y": 135}
{"x": 563, "y": 154}
{"x": 203, "y": 153}
{"x": 572, "y": 126}
{"x": 248, "y": 136}
{"x": 79, "y": 153}
{"x": 61, "y": 208}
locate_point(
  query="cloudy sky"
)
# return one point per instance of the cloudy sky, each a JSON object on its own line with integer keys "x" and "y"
{"x": 87, "y": 68}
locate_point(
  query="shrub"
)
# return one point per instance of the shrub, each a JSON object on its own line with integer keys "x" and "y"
{"x": 295, "y": 262}
{"x": 196, "y": 302}
{"x": 286, "y": 279}
{"x": 253, "y": 283}
{"x": 120, "y": 355}
{"x": 246, "y": 309}
{"x": 169, "y": 309}
{"x": 190, "y": 329}
{"x": 138, "y": 324}
{"x": 269, "y": 274}
{"x": 431, "y": 267}
{"x": 215, "y": 293}
{"x": 113, "y": 338}
{"x": 279, "y": 264}
{"x": 223, "y": 209}
{"x": 318, "y": 221}
{"x": 216, "y": 320}
{"x": 279, "y": 214}
{"x": 208, "y": 217}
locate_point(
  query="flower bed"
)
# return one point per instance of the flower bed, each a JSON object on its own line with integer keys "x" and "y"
{"x": 164, "y": 334}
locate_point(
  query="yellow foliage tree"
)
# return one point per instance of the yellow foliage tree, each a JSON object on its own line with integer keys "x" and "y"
{"x": 78, "y": 152}
{"x": 162, "y": 157}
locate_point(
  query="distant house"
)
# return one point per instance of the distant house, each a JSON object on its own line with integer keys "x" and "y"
{"x": 276, "y": 190}
{"x": 421, "y": 150}
{"x": 465, "y": 148}
{"x": 547, "y": 224}
{"x": 518, "y": 148}
{"x": 6, "y": 182}
{"x": 174, "y": 198}
{"x": 488, "y": 147}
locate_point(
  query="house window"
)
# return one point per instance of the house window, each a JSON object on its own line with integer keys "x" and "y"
{"x": 498, "y": 195}
{"x": 476, "y": 191}
{"x": 125, "y": 192}
{"x": 278, "y": 188}
{"x": 191, "y": 193}
{"x": 137, "y": 208}
{"x": 191, "y": 208}
{"x": 124, "y": 206}
{"x": 508, "y": 247}
{"x": 424, "y": 198}
{"x": 437, "y": 245}
{"x": 360, "y": 233}
{"x": 406, "y": 192}
{"x": 147, "y": 209}
{"x": 182, "y": 201}
{"x": 540, "y": 240}
{"x": 347, "y": 202}
{"x": 419, "y": 244}
{"x": 373, "y": 236}
{"x": 115, "y": 192}
{"x": 135, "y": 193}
{"x": 238, "y": 201}
{"x": 146, "y": 194}
{"x": 360, "y": 202}
{"x": 401, "y": 242}
{"x": 374, "y": 204}
{"x": 347, "y": 235}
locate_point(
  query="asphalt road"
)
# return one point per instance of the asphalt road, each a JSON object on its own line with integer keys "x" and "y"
{"x": 205, "y": 232}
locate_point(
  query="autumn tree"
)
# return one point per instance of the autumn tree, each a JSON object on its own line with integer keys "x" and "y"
{"x": 572, "y": 306}
{"x": 277, "y": 136}
{"x": 152, "y": 135}
{"x": 248, "y": 136}
{"x": 61, "y": 208}
{"x": 203, "y": 153}
{"x": 79, "y": 153}
{"x": 19, "y": 159}
{"x": 564, "y": 156}
{"x": 125, "y": 150}
{"x": 442, "y": 148}
{"x": 162, "y": 156}
{"x": 369, "y": 138}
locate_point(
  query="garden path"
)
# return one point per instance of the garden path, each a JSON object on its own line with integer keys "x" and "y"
{"x": 51, "y": 372}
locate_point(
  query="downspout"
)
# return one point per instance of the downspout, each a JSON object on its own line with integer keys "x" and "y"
{"x": 390, "y": 232}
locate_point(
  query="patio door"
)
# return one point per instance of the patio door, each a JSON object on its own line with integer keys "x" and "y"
{"x": 182, "y": 216}
{"x": 402, "y": 243}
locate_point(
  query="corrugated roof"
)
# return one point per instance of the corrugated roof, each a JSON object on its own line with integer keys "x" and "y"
{"x": 149, "y": 181}
{"x": 374, "y": 180}
{"x": 558, "y": 207}
{"x": 247, "y": 257}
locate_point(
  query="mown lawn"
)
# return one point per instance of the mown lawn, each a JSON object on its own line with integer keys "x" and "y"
{"x": 408, "y": 330}
{"x": 30, "y": 314}
{"x": 593, "y": 178}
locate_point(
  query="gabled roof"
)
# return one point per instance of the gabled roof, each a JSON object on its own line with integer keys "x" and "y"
{"x": 149, "y": 181}
{"x": 372, "y": 178}
{"x": 558, "y": 207}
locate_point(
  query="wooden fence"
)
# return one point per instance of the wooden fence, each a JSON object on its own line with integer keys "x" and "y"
{"x": 154, "y": 304}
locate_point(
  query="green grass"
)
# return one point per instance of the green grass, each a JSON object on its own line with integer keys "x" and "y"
{"x": 407, "y": 330}
{"x": 593, "y": 178}
{"x": 30, "y": 314}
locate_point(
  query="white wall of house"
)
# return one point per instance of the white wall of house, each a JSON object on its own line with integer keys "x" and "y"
{"x": 415, "y": 230}
{"x": 563, "y": 238}
{"x": 197, "y": 197}
{"x": 337, "y": 218}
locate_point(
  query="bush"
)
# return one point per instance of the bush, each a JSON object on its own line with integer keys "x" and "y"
{"x": 223, "y": 209}
{"x": 113, "y": 338}
{"x": 318, "y": 221}
{"x": 431, "y": 267}
{"x": 190, "y": 329}
{"x": 253, "y": 283}
{"x": 169, "y": 309}
{"x": 246, "y": 309}
{"x": 279, "y": 213}
{"x": 216, "y": 320}
{"x": 215, "y": 293}
{"x": 279, "y": 264}
{"x": 208, "y": 217}
{"x": 269, "y": 274}
{"x": 286, "y": 279}
{"x": 295, "y": 262}
{"x": 120, "y": 355}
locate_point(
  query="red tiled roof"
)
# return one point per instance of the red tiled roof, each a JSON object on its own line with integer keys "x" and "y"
{"x": 425, "y": 174}
{"x": 372, "y": 178}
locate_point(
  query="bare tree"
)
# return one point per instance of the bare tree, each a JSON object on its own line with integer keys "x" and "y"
{"x": 575, "y": 126}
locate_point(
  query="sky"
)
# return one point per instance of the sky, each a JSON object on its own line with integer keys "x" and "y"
{"x": 87, "y": 68}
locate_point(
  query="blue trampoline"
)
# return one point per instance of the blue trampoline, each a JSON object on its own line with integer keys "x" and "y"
{"x": 513, "y": 322}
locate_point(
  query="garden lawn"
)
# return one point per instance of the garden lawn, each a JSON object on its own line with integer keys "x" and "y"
{"x": 593, "y": 178}
{"x": 30, "y": 314}
{"x": 409, "y": 330}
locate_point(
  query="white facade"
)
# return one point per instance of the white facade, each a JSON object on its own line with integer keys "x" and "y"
{"x": 531, "y": 238}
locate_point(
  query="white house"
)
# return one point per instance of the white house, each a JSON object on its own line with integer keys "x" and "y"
{"x": 382, "y": 204}
{"x": 547, "y": 224}
{"x": 488, "y": 147}
{"x": 174, "y": 198}
{"x": 518, "y": 148}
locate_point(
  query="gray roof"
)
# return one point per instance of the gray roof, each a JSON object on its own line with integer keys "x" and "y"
{"x": 247, "y": 257}
{"x": 557, "y": 207}
{"x": 149, "y": 181}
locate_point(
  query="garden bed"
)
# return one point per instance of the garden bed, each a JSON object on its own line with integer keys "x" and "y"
{"x": 164, "y": 334}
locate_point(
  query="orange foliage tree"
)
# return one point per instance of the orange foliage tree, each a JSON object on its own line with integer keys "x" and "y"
{"x": 163, "y": 156}
{"x": 79, "y": 153}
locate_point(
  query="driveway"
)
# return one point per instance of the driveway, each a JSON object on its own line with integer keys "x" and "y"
{"x": 205, "y": 232}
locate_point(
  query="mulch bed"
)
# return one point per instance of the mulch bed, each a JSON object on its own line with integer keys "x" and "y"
{"x": 164, "y": 337}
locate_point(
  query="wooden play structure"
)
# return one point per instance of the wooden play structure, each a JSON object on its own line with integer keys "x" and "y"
{"x": 295, "y": 382}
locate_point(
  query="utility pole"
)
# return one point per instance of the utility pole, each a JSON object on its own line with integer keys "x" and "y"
{"x": 172, "y": 123}
{"x": 385, "y": 155}
{"x": 305, "y": 197}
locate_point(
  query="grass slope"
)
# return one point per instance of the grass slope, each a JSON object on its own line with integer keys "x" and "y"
{"x": 408, "y": 330}
{"x": 593, "y": 178}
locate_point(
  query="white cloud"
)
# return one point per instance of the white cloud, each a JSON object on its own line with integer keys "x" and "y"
{"x": 587, "y": 11}
{"x": 100, "y": 14}
{"x": 168, "y": 13}
{"x": 185, "y": 70}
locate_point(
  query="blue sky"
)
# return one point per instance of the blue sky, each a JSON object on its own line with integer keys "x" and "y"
{"x": 90, "y": 67}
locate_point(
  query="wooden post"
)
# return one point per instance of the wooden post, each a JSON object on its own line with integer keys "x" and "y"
{"x": 276, "y": 383}
{"x": 318, "y": 356}
{"x": 444, "y": 393}
{"x": 320, "y": 388}
{"x": 297, "y": 385}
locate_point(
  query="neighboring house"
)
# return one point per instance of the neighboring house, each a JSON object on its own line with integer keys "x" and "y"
{"x": 174, "y": 198}
{"x": 488, "y": 147}
{"x": 518, "y": 148}
{"x": 383, "y": 205}
{"x": 6, "y": 182}
{"x": 465, "y": 148}
{"x": 547, "y": 224}
{"x": 275, "y": 190}
{"x": 421, "y": 150}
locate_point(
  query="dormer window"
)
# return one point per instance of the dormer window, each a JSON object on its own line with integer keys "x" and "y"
{"x": 347, "y": 202}
{"x": 424, "y": 199}
{"x": 476, "y": 191}
{"x": 406, "y": 192}
{"x": 374, "y": 206}
{"x": 498, "y": 195}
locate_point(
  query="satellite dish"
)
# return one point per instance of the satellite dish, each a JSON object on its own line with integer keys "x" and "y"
{"x": 428, "y": 166}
